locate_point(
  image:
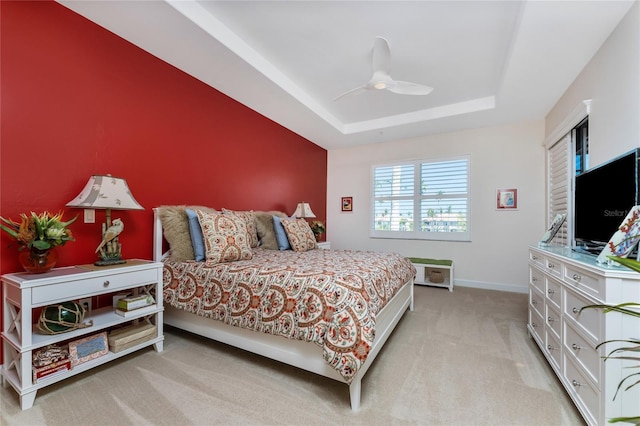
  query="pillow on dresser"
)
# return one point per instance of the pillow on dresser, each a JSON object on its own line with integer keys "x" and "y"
{"x": 225, "y": 237}
{"x": 250, "y": 220}
{"x": 299, "y": 234}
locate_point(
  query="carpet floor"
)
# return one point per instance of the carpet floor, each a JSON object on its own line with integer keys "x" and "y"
{"x": 460, "y": 358}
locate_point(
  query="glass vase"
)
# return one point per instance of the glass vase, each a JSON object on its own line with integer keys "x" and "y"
{"x": 37, "y": 261}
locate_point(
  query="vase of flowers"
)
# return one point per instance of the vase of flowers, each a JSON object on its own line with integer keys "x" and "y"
{"x": 37, "y": 236}
{"x": 318, "y": 229}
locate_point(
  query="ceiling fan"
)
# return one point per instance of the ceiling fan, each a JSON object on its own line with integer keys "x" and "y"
{"x": 381, "y": 80}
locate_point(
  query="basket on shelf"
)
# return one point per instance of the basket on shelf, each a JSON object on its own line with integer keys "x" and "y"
{"x": 436, "y": 277}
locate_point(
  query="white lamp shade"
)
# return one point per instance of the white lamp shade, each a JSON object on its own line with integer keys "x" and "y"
{"x": 303, "y": 210}
{"x": 106, "y": 192}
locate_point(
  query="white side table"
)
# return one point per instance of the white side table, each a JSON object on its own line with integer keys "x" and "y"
{"x": 23, "y": 292}
{"x": 326, "y": 245}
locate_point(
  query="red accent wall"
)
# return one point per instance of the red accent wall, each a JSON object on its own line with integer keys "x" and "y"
{"x": 77, "y": 100}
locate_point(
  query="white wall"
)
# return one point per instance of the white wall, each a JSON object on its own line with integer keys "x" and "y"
{"x": 612, "y": 80}
{"x": 501, "y": 157}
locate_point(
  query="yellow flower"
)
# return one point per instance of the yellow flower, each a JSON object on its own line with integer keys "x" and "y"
{"x": 41, "y": 231}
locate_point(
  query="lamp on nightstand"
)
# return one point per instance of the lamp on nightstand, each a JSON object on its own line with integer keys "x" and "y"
{"x": 303, "y": 210}
{"x": 107, "y": 192}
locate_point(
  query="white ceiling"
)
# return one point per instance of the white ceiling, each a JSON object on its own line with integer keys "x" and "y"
{"x": 489, "y": 62}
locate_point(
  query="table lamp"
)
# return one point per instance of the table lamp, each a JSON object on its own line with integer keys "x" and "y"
{"x": 107, "y": 192}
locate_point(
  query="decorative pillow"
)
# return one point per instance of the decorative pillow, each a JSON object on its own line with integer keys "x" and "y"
{"x": 250, "y": 220}
{"x": 266, "y": 230}
{"x": 175, "y": 227}
{"x": 281, "y": 234}
{"x": 300, "y": 234}
{"x": 197, "y": 240}
{"x": 225, "y": 237}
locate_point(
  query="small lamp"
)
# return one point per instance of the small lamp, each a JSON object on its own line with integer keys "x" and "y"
{"x": 107, "y": 192}
{"x": 303, "y": 210}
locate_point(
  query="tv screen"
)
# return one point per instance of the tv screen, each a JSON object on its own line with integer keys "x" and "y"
{"x": 603, "y": 197}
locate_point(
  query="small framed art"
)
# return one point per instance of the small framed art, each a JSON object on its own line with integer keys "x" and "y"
{"x": 507, "y": 199}
{"x": 347, "y": 204}
{"x": 88, "y": 348}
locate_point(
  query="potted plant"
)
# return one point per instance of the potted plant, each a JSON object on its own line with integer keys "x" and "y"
{"x": 631, "y": 348}
{"x": 37, "y": 236}
{"x": 318, "y": 228}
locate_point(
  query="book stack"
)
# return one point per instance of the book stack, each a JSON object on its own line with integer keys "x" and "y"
{"x": 50, "y": 361}
{"x": 130, "y": 306}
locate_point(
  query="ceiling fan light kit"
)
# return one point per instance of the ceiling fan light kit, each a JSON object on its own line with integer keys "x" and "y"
{"x": 381, "y": 80}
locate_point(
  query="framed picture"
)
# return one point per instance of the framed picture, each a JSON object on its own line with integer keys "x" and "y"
{"x": 347, "y": 204}
{"x": 625, "y": 238}
{"x": 88, "y": 348}
{"x": 507, "y": 199}
{"x": 553, "y": 228}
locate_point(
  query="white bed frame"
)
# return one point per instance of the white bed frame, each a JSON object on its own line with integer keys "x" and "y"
{"x": 304, "y": 355}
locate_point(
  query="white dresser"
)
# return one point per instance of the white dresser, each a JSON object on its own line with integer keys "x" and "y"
{"x": 561, "y": 282}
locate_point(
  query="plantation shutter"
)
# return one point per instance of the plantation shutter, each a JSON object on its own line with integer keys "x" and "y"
{"x": 560, "y": 175}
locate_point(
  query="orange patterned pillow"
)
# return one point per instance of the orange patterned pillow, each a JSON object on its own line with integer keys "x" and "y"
{"x": 225, "y": 238}
{"x": 249, "y": 218}
{"x": 299, "y": 234}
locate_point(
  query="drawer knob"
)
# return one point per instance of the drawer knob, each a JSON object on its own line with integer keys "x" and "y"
{"x": 551, "y": 266}
{"x": 534, "y": 302}
{"x": 534, "y": 279}
{"x": 576, "y": 383}
{"x": 576, "y": 277}
{"x": 550, "y": 347}
{"x": 575, "y": 347}
{"x": 550, "y": 319}
{"x": 534, "y": 257}
{"x": 534, "y": 325}
{"x": 575, "y": 310}
{"x": 106, "y": 284}
{"x": 550, "y": 291}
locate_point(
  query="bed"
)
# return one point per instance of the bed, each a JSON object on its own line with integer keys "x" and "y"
{"x": 325, "y": 311}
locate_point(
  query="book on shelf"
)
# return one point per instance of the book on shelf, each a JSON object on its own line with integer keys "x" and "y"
{"x": 129, "y": 303}
{"x": 48, "y": 371}
{"x": 134, "y": 312}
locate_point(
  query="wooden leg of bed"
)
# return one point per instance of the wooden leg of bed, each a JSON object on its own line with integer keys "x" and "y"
{"x": 354, "y": 394}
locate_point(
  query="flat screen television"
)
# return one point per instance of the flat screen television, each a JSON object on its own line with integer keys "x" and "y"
{"x": 603, "y": 197}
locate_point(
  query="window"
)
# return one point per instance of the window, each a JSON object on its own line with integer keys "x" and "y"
{"x": 421, "y": 200}
{"x": 566, "y": 159}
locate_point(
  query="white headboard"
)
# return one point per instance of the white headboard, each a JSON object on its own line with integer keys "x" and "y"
{"x": 158, "y": 237}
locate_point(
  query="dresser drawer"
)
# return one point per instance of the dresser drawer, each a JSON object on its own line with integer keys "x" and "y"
{"x": 555, "y": 354}
{"x": 536, "y": 301}
{"x": 75, "y": 289}
{"x": 554, "y": 292}
{"x": 589, "y": 320}
{"x": 536, "y": 278}
{"x": 536, "y": 258}
{"x": 553, "y": 267}
{"x": 582, "y": 352}
{"x": 553, "y": 320}
{"x": 584, "y": 281}
{"x": 537, "y": 325}
{"x": 586, "y": 397}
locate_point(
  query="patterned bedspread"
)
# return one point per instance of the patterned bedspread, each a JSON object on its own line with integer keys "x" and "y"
{"x": 329, "y": 297}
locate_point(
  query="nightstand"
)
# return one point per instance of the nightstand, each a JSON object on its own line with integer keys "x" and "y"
{"x": 23, "y": 292}
{"x": 326, "y": 245}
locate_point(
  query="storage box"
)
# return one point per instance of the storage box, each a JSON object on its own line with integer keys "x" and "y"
{"x": 125, "y": 338}
{"x": 130, "y": 303}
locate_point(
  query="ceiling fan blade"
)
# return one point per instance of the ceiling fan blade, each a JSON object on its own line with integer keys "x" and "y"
{"x": 350, "y": 92}
{"x": 406, "y": 88}
{"x": 381, "y": 55}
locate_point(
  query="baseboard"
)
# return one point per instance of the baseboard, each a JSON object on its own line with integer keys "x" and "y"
{"x": 492, "y": 286}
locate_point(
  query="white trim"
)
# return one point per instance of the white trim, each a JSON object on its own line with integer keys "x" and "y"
{"x": 573, "y": 119}
{"x": 511, "y": 288}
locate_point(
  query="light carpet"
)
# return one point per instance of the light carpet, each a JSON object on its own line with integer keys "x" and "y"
{"x": 460, "y": 358}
